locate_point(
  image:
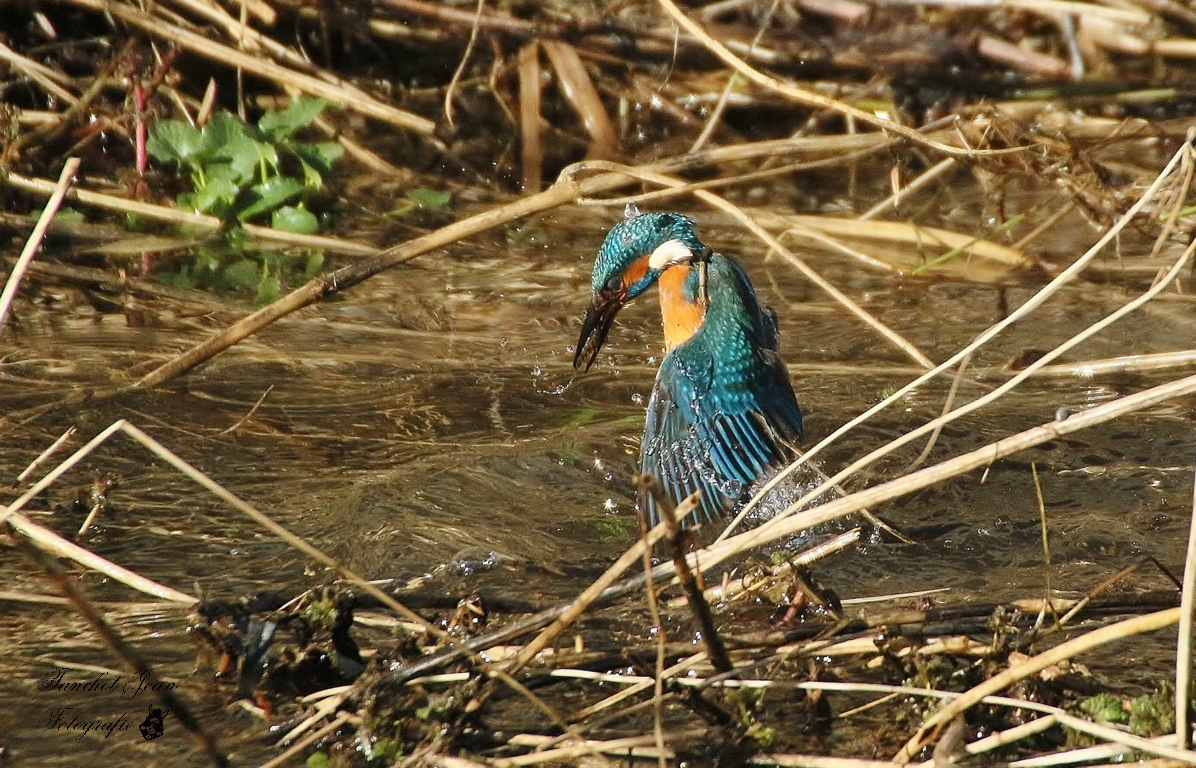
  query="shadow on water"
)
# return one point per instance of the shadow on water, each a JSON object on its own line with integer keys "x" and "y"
{"x": 424, "y": 428}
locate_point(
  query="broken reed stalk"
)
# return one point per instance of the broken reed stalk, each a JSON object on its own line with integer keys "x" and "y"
{"x": 1185, "y": 156}
{"x": 228, "y": 497}
{"x": 1061, "y": 652}
{"x": 326, "y": 86}
{"x": 132, "y": 658}
{"x": 67, "y": 435}
{"x": 176, "y": 216}
{"x": 658, "y": 672}
{"x": 53, "y": 544}
{"x": 570, "y": 613}
{"x": 35, "y": 238}
{"x": 697, "y": 602}
{"x": 1183, "y": 648}
{"x": 810, "y": 98}
{"x": 870, "y": 497}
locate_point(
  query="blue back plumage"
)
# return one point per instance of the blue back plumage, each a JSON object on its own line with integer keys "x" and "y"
{"x": 722, "y": 410}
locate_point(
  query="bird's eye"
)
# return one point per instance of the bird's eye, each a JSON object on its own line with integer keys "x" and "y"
{"x": 667, "y": 220}
{"x": 614, "y": 283}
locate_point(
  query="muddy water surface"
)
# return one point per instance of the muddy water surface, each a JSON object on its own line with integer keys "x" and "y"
{"x": 425, "y": 426}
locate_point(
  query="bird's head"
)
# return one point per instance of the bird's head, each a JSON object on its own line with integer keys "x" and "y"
{"x": 633, "y": 255}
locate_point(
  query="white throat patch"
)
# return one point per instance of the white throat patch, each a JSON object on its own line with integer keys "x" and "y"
{"x": 669, "y": 253}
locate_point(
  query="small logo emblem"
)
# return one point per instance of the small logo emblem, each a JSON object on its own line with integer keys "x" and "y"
{"x": 151, "y": 728}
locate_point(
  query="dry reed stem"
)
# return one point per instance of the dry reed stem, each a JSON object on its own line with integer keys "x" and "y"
{"x": 35, "y": 237}
{"x": 693, "y": 593}
{"x": 638, "y": 686}
{"x": 1087, "y": 369}
{"x": 633, "y": 745}
{"x": 1183, "y": 648}
{"x": 331, "y": 88}
{"x": 307, "y": 741}
{"x": 1035, "y": 664}
{"x": 1117, "y": 736}
{"x": 456, "y": 78}
{"x": 325, "y": 706}
{"x": 582, "y": 602}
{"x": 1047, "y": 604}
{"x": 732, "y": 589}
{"x": 51, "y": 542}
{"x": 581, "y": 94}
{"x": 67, "y": 435}
{"x": 1045, "y": 7}
{"x": 992, "y": 396}
{"x": 902, "y": 232}
{"x": 716, "y": 114}
{"x": 1011, "y": 735}
{"x": 1088, "y": 754}
{"x": 923, "y": 478}
{"x": 948, "y": 404}
{"x": 643, "y": 198}
{"x": 658, "y": 627}
{"x": 893, "y": 200}
{"x": 174, "y": 215}
{"x": 531, "y": 149}
{"x": 51, "y": 81}
{"x": 809, "y": 273}
{"x": 805, "y": 97}
{"x": 1183, "y": 154}
{"x": 124, "y": 651}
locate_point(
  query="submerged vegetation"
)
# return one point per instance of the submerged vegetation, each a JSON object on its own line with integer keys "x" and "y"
{"x": 943, "y": 153}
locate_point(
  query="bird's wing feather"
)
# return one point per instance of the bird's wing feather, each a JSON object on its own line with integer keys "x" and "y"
{"x": 733, "y": 386}
{"x": 672, "y": 451}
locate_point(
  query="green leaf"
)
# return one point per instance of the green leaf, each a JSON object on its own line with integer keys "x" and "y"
{"x": 433, "y": 200}
{"x": 206, "y": 261}
{"x": 181, "y": 279}
{"x": 317, "y": 160}
{"x": 268, "y": 287}
{"x": 294, "y": 218}
{"x": 173, "y": 140}
{"x": 242, "y": 274}
{"x": 228, "y": 141}
{"x": 315, "y": 262}
{"x": 214, "y": 197}
{"x": 300, "y": 113}
{"x": 268, "y": 196}
{"x": 221, "y": 129}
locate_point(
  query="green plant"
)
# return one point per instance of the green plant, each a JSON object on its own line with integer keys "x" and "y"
{"x": 229, "y": 269}
{"x": 243, "y": 172}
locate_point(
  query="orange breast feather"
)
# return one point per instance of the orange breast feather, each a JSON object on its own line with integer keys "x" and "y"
{"x": 682, "y": 317}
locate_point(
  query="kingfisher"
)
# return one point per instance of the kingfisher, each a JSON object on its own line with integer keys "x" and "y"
{"x": 722, "y": 410}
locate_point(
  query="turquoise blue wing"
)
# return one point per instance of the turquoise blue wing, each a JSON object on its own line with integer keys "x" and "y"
{"x": 672, "y": 451}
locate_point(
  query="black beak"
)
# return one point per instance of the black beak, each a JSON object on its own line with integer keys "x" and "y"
{"x": 599, "y": 318}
